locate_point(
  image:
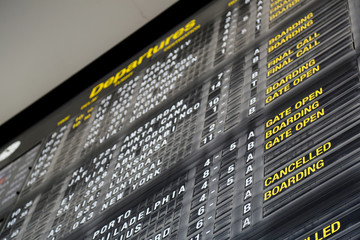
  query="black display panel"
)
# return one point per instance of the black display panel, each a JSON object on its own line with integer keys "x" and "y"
{"x": 239, "y": 121}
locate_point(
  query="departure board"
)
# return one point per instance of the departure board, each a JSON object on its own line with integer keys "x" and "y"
{"x": 240, "y": 121}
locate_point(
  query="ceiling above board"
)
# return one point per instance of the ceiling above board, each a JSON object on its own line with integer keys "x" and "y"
{"x": 43, "y": 43}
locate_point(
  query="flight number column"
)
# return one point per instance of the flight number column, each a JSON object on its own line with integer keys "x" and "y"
{"x": 216, "y": 106}
{"x": 233, "y": 29}
{"x": 210, "y": 210}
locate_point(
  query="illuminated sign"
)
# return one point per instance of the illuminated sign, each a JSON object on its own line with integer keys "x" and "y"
{"x": 240, "y": 122}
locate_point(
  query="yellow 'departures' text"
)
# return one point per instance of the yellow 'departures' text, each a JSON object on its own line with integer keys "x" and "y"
{"x": 297, "y": 164}
{"x": 182, "y": 38}
{"x": 63, "y": 120}
{"x": 232, "y": 2}
{"x": 126, "y": 72}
